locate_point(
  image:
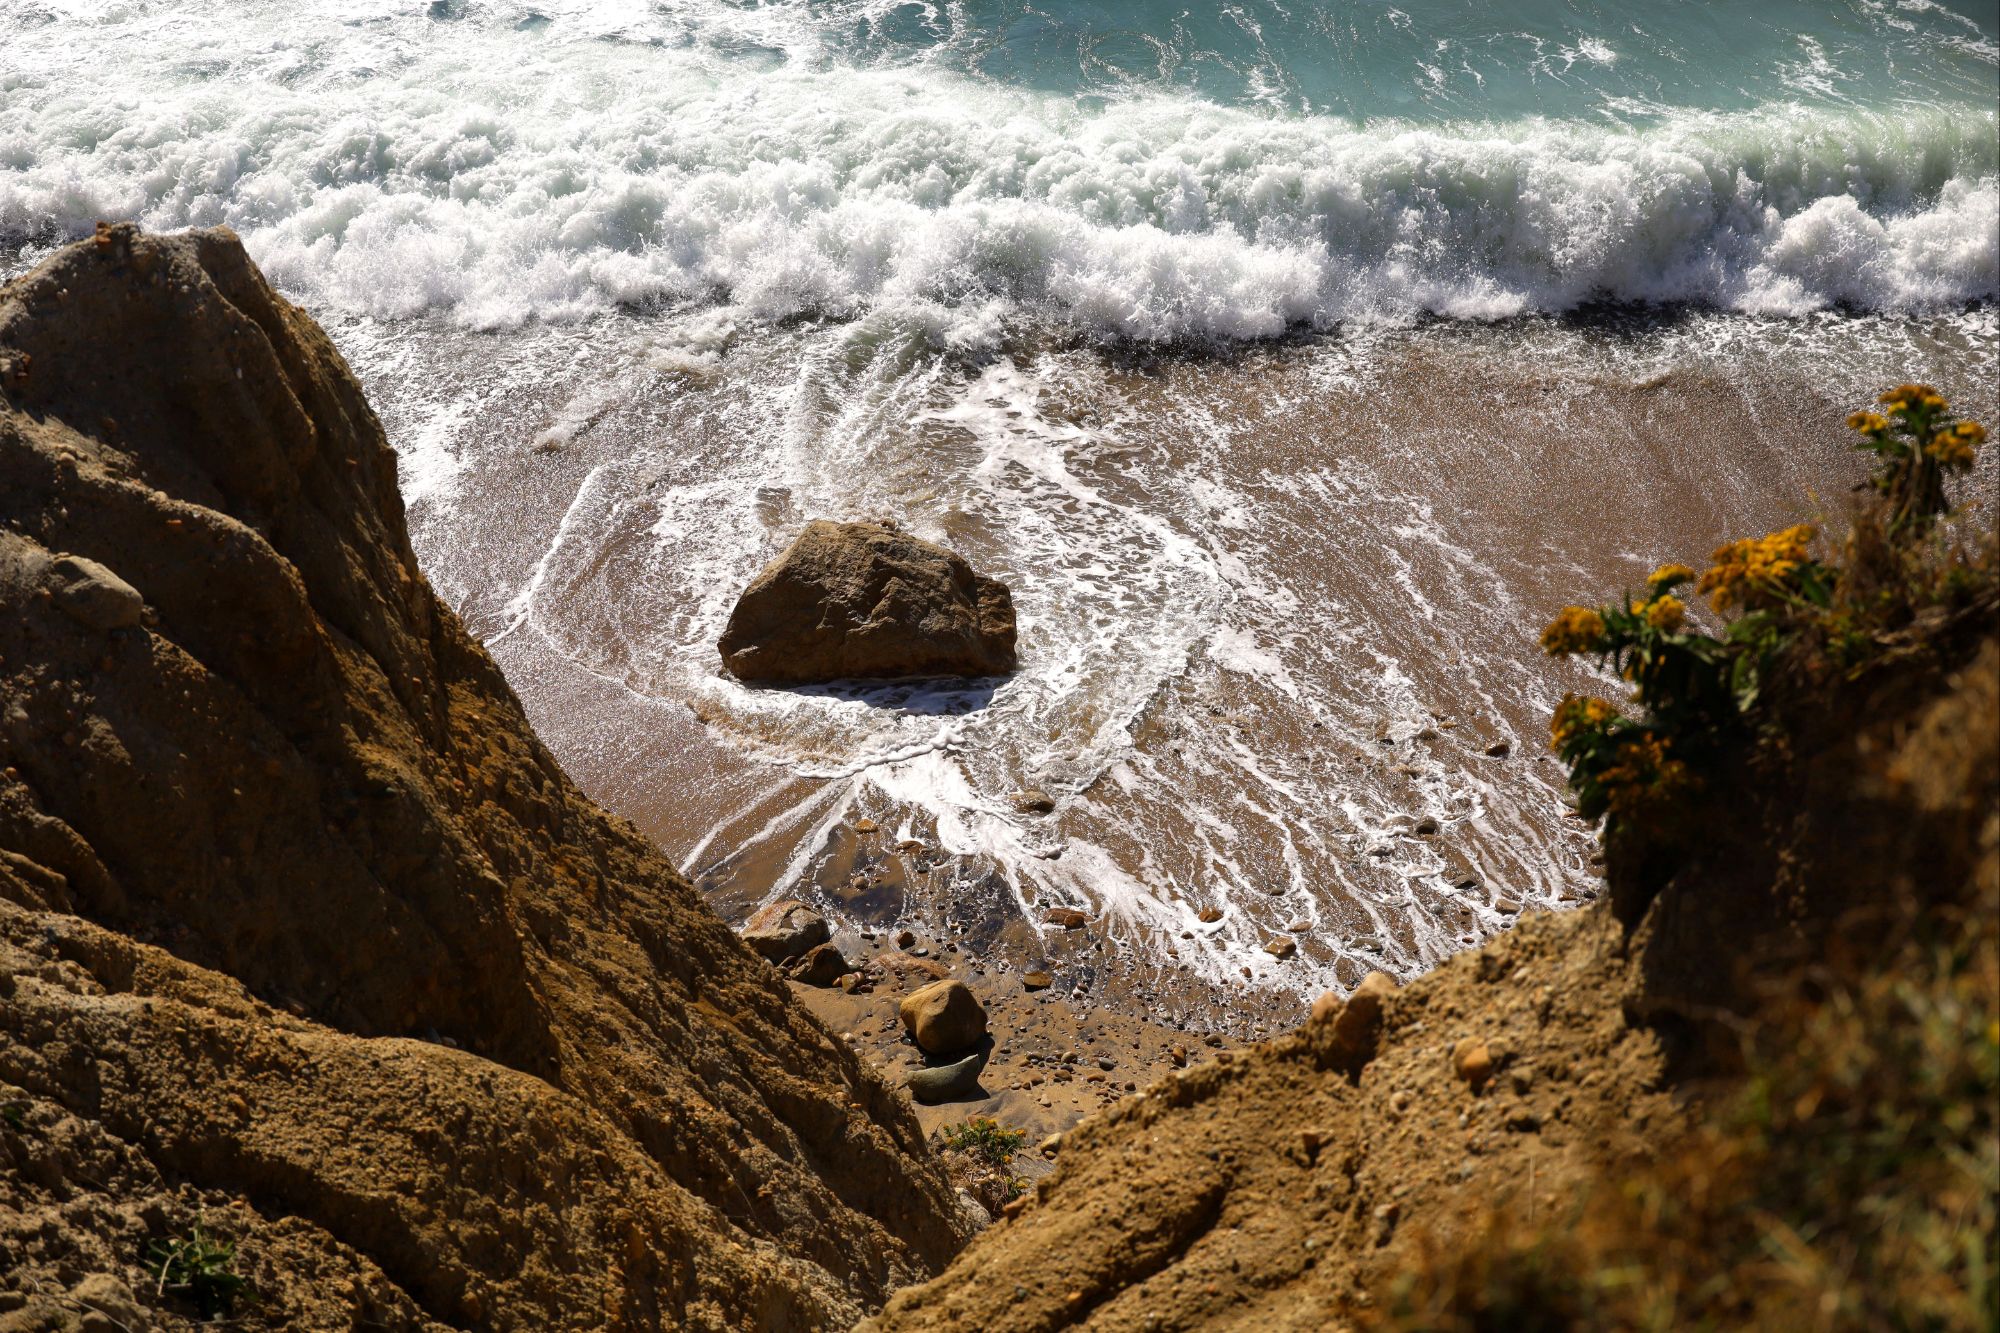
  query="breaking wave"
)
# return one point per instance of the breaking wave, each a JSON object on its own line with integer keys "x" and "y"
{"x": 500, "y": 178}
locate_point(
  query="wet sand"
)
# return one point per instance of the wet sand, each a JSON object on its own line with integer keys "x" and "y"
{"x": 1278, "y": 609}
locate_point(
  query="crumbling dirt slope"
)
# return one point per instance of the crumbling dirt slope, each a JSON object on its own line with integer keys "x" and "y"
{"x": 301, "y": 929}
{"x": 1300, "y": 1184}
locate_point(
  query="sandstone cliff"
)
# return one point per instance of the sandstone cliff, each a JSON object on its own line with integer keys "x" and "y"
{"x": 304, "y": 937}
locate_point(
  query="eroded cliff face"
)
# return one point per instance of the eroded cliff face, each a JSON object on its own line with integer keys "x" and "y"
{"x": 1423, "y": 1169}
{"x": 305, "y": 936}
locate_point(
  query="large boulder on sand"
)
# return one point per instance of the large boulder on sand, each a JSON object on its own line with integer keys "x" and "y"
{"x": 944, "y": 1017}
{"x": 785, "y": 930}
{"x": 863, "y": 600}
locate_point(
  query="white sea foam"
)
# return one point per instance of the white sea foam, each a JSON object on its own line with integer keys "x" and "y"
{"x": 502, "y": 175}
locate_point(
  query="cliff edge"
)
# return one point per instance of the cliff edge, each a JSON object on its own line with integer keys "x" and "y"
{"x": 310, "y": 954}
{"x": 1757, "y": 1085}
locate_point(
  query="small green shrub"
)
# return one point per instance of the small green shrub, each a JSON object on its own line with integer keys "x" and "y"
{"x": 988, "y": 1141}
{"x": 201, "y": 1270}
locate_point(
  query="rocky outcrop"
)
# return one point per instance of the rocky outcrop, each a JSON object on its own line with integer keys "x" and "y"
{"x": 305, "y": 938}
{"x": 862, "y": 601}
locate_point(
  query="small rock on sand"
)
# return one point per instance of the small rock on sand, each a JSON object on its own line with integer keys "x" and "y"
{"x": 1066, "y": 917}
{"x": 1034, "y": 801}
{"x": 1036, "y": 980}
{"x": 1208, "y": 916}
{"x": 92, "y": 595}
{"x": 939, "y": 1083}
{"x": 822, "y": 965}
{"x": 1282, "y": 947}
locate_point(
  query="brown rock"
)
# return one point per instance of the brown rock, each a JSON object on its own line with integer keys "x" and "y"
{"x": 861, "y": 600}
{"x": 785, "y": 930}
{"x": 1066, "y": 917}
{"x": 943, "y": 1017}
{"x": 1472, "y": 1062}
{"x": 1209, "y": 915}
{"x": 92, "y": 595}
{"x": 823, "y": 965}
{"x": 1036, "y": 980}
{"x": 1282, "y": 947}
{"x": 1034, "y": 801}
{"x": 1357, "y": 1023}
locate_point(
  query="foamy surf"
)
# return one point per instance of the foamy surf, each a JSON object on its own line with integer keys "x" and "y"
{"x": 519, "y": 165}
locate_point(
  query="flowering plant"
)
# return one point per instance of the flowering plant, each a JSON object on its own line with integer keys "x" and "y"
{"x": 1694, "y": 689}
{"x": 1918, "y": 441}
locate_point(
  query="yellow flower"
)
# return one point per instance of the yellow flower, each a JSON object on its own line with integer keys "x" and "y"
{"x": 1642, "y": 774}
{"x": 1666, "y": 613}
{"x": 1576, "y": 629}
{"x": 1576, "y": 714}
{"x": 1749, "y": 570}
{"x": 1950, "y": 450}
{"x": 1668, "y": 576}
{"x": 1868, "y": 423}
{"x": 1912, "y": 396}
